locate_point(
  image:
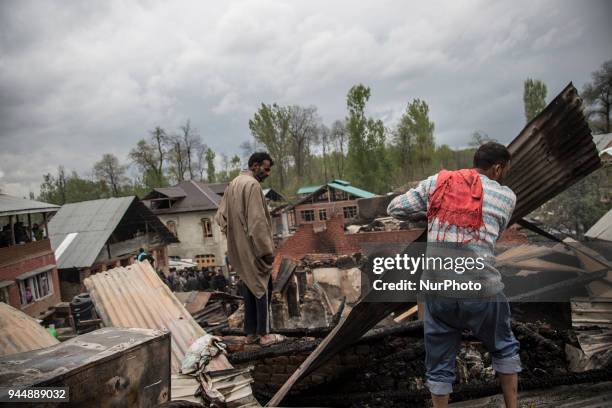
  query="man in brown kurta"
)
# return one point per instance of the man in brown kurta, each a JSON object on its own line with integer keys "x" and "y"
{"x": 243, "y": 216}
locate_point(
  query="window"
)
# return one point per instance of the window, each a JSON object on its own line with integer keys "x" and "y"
{"x": 205, "y": 260}
{"x": 307, "y": 215}
{"x": 322, "y": 215}
{"x": 172, "y": 227}
{"x": 4, "y": 295}
{"x": 350, "y": 212}
{"x": 35, "y": 288}
{"x": 206, "y": 227}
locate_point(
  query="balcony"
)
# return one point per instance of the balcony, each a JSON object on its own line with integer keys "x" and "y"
{"x": 15, "y": 253}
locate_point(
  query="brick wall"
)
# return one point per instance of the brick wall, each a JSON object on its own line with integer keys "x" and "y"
{"x": 330, "y": 238}
{"x": 27, "y": 264}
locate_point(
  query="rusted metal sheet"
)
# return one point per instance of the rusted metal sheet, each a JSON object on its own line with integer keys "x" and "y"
{"x": 135, "y": 296}
{"x": 19, "y": 332}
{"x": 552, "y": 152}
{"x": 109, "y": 367}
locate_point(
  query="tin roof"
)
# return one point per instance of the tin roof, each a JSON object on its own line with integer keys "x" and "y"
{"x": 552, "y": 152}
{"x": 10, "y": 205}
{"x": 19, "y": 332}
{"x": 79, "y": 231}
{"x": 188, "y": 196}
{"x": 148, "y": 304}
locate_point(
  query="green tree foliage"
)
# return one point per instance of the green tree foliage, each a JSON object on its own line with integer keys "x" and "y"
{"x": 422, "y": 130}
{"x": 367, "y": 163}
{"x": 270, "y": 127}
{"x": 576, "y": 209}
{"x": 61, "y": 189}
{"x": 534, "y": 97}
{"x": 210, "y": 166}
{"x": 110, "y": 172}
{"x": 598, "y": 95}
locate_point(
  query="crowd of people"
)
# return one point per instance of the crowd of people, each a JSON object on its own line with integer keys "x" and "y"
{"x": 204, "y": 279}
{"x": 22, "y": 233}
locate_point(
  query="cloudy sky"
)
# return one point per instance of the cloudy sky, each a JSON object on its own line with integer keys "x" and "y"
{"x": 79, "y": 79}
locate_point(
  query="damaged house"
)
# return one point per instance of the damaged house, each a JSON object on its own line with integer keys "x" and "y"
{"x": 93, "y": 236}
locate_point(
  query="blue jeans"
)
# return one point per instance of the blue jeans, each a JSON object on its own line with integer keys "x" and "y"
{"x": 446, "y": 318}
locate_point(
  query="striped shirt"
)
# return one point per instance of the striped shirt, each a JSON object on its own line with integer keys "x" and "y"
{"x": 497, "y": 207}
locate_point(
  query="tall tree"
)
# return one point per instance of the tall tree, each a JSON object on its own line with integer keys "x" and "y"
{"x": 149, "y": 156}
{"x": 325, "y": 140}
{"x": 200, "y": 163}
{"x": 191, "y": 143}
{"x": 417, "y": 123}
{"x": 598, "y": 95}
{"x": 177, "y": 157}
{"x": 210, "y": 166}
{"x": 367, "y": 163}
{"x": 111, "y": 172}
{"x": 303, "y": 131}
{"x": 534, "y": 97}
{"x": 339, "y": 139}
{"x": 234, "y": 167}
{"x": 270, "y": 127}
{"x": 403, "y": 146}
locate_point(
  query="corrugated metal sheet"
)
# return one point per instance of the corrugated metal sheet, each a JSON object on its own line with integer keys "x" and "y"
{"x": 554, "y": 151}
{"x": 135, "y": 296}
{"x": 352, "y": 190}
{"x": 602, "y": 228}
{"x": 195, "y": 196}
{"x": 93, "y": 222}
{"x": 10, "y": 205}
{"x": 19, "y": 332}
{"x": 308, "y": 190}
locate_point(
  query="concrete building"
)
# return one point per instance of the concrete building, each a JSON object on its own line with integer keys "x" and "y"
{"x": 93, "y": 236}
{"x": 188, "y": 210}
{"x": 28, "y": 273}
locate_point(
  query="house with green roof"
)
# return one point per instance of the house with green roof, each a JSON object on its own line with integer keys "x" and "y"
{"x": 320, "y": 203}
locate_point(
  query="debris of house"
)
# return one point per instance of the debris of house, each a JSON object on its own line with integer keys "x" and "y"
{"x": 20, "y": 333}
{"x": 150, "y": 304}
{"x": 104, "y": 368}
{"x": 562, "y": 156}
{"x": 92, "y": 236}
{"x": 210, "y": 309}
{"x": 28, "y": 273}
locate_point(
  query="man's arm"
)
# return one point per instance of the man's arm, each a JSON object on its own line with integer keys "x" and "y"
{"x": 508, "y": 204}
{"x": 412, "y": 205}
{"x": 221, "y": 216}
{"x": 257, "y": 222}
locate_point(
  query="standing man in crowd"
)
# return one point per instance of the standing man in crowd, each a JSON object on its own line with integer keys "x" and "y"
{"x": 467, "y": 210}
{"x": 243, "y": 216}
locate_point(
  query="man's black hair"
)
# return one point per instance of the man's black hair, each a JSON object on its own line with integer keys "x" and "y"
{"x": 489, "y": 154}
{"x": 259, "y": 157}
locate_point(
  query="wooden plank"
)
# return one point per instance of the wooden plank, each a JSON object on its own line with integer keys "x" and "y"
{"x": 414, "y": 309}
